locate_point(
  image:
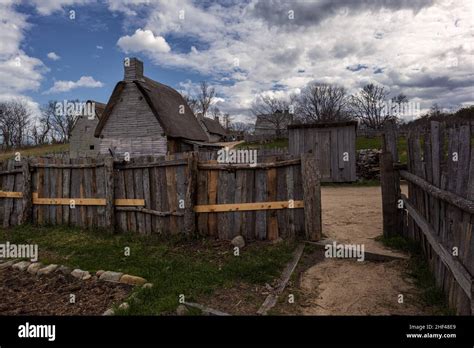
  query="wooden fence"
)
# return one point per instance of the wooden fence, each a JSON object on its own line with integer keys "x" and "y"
{"x": 174, "y": 194}
{"x": 439, "y": 210}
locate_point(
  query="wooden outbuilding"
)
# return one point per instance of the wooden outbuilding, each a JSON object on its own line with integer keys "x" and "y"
{"x": 334, "y": 144}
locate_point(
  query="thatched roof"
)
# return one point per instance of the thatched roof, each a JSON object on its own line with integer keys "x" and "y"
{"x": 213, "y": 126}
{"x": 165, "y": 102}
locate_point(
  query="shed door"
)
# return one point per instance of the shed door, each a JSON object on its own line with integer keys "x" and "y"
{"x": 323, "y": 153}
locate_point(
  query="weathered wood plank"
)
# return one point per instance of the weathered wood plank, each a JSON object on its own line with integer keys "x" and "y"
{"x": 311, "y": 197}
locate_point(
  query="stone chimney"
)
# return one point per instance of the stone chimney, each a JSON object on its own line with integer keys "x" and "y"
{"x": 133, "y": 69}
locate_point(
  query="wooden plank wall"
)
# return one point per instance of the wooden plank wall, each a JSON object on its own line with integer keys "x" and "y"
{"x": 11, "y": 180}
{"x": 162, "y": 184}
{"x": 432, "y": 157}
{"x": 283, "y": 183}
{"x": 329, "y": 144}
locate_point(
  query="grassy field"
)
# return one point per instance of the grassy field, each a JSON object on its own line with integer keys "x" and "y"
{"x": 35, "y": 151}
{"x": 193, "y": 268}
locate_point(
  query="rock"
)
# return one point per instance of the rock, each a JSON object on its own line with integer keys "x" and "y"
{"x": 47, "y": 270}
{"x": 80, "y": 274}
{"x": 132, "y": 280}
{"x": 22, "y": 265}
{"x": 63, "y": 270}
{"x": 7, "y": 264}
{"x": 86, "y": 276}
{"x": 110, "y": 276}
{"x": 147, "y": 286}
{"x": 34, "y": 267}
{"x": 124, "y": 306}
{"x": 99, "y": 272}
{"x": 182, "y": 310}
{"x": 277, "y": 241}
{"x": 109, "y": 312}
{"x": 238, "y": 242}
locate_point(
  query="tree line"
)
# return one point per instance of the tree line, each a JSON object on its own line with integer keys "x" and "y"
{"x": 19, "y": 127}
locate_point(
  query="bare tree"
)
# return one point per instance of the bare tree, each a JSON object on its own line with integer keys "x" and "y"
{"x": 42, "y": 131}
{"x": 62, "y": 123}
{"x": 15, "y": 117}
{"x": 322, "y": 102}
{"x": 273, "y": 111}
{"x": 205, "y": 98}
{"x": 369, "y": 106}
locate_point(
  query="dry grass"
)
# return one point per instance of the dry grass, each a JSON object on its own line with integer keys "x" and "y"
{"x": 35, "y": 151}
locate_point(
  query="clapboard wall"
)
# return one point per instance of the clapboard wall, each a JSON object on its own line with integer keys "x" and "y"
{"x": 333, "y": 144}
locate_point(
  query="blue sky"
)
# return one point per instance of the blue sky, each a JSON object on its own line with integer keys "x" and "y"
{"x": 245, "y": 49}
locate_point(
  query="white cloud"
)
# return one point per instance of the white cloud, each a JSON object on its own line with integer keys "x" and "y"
{"x": 53, "y": 56}
{"x": 143, "y": 41}
{"x": 66, "y": 86}
{"x": 99, "y": 47}
{"x": 47, "y": 7}
{"x": 404, "y": 46}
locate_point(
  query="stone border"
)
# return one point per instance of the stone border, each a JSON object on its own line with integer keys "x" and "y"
{"x": 37, "y": 268}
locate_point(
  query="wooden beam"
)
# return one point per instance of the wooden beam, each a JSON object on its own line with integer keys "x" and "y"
{"x": 26, "y": 207}
{"x": 226, "y": 166}
{"x": 109, "y": 194}
{"x": 85, "y": 201}
{"x": 272, "y": 298}
{"x": 12, "y": 171}
{"x": 462, "y": 276}
{"x": 460, "y": 202}
{"x": 120, "y": 202}
{"x": 164, "y": 163}
{"x": 218, "y": 208}
{"x": 66, "y": 201}
{"x": 66, "y": 166}
{"x": 9, "y": 194}
{"x": 149, "y": 211}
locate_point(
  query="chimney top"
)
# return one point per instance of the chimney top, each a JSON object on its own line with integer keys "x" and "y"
{"x": 133, "y": 69}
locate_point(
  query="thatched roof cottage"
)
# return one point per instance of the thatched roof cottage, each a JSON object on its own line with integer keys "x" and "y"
{"x": 145, "y": 117}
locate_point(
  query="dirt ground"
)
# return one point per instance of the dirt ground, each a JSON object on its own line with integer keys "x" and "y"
{"x": 329, "y": 286}
{"x": 26, "y": 294}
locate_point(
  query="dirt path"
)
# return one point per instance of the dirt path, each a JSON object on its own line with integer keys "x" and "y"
{"x": 330, "y": 286}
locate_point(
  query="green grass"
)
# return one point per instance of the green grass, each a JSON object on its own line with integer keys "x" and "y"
{"x": 420, "y": 271}
{"x": 175, "y": 267}
{"x": 35, "y": 151}
{"x": 274, "y": 144}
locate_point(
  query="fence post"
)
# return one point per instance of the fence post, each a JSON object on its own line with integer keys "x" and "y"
{"x": 190, "y": 199}
{"x": 311, "y": 196}
{"x": 27, "y": 204}
{"x": 109, "y": 194}
{"x": 390, "y": 182}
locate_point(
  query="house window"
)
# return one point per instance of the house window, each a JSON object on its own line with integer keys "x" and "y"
{"x": 91, "y": 147}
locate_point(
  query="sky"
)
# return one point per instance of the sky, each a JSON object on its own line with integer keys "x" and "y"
{"x": 74, "y": 49}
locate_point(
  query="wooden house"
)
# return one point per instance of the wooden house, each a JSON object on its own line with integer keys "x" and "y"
{"x": 213, "y": 128}
{"x": 82, "y": 142}
{"x": 333, "y": 143}
{"x": 145, "y": 117}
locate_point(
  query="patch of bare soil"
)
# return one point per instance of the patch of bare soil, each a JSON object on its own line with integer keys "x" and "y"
{"x": 323, "y": 286}
{"x": 22, "y": 293}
